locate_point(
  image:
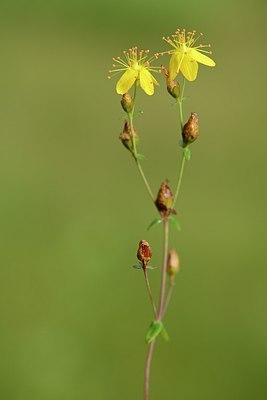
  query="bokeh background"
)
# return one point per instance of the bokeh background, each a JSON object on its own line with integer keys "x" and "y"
{"x": 73, "y": 208}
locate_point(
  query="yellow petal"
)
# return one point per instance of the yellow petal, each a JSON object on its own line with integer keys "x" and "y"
{"x": 146, "y": 81}
{"x": 175, "y": 64}
{"x": 154, "y": 80}
{"x": 189, "y": 68}
{"x": 126, "y": 81}
{"x": 201, "y": 58}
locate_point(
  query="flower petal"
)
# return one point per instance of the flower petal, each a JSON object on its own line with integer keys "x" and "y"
{"x": 175, "y": 64}
{"x": 146, "y": 81}
{"x": 126, "y": 81}
{"x": 189, "y": 68}
{"x": 201, "y": 58}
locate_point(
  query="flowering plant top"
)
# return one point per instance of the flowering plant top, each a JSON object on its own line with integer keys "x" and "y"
{"x": 186, "y": 55}
{"x": 137, "y": 68}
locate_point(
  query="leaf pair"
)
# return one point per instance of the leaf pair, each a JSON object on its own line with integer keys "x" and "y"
{"x": 158, "y": 221}
{"x": 154, "y": 330}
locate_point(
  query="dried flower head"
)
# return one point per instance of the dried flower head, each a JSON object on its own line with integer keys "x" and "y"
{"x": 126, "y": 136}
{"x": 164, "y": 199}
{"x": 186, "y": 55}
{"x": 191, "y": 129}
{"x": 144, "y": 252}
{"x": 137, "y": 67}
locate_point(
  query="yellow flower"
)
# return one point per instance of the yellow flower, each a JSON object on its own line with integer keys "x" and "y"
{"x": 186, "y": 56}
{"x": 137, "y": 69}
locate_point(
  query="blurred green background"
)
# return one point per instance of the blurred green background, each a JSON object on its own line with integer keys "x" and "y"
{"x": 73, "y": 208}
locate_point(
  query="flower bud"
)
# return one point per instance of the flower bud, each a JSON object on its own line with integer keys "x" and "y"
{"x": 172, "y": 263}
{"x": 173, "y": 87}
{"x": 127, "y": 103}
{"x": 164, "y": 199}
{"x": 191, "y": 129}
{"x": 144, "y": 252}
{"x": 126, "y": 137}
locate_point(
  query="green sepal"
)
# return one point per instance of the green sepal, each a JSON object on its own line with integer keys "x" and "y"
{"x": 140, "y": 157}
{"x": 164, "y": 334}
{"x": 175, "y": 222}
{"x": 153, "y": 331}
{"x": 187, "y": 153}
{"x": 155, "y": 221}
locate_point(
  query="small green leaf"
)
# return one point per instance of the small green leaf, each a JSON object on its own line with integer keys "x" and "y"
{"x": 140, "y": 157}
{"x": 187, "y": 153}
{"x": 175, "y": 222}
{"x": 137, "y": 266}
{"x": 150, "y": 267}
{"x": 156, "y": 221}
{"x": 164, "y": 334}
{"x": 153, "y": 331}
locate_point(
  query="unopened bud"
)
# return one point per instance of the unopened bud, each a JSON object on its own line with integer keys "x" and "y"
{"x": 172, "y": 263}
{"x": 127, "y": 103}
{"x": 164, "y": 199}
{"x": 144, "y": 252}
{"x": 173, "y": 87}
{"x": 191, "y": 129}
{"x": 126, "y": 137}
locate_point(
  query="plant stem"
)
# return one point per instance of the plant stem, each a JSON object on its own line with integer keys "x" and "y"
{"x": 180, "y": 104}
{"x": 147, "y": 368}
{"x": 164, "y": 267}
{"x": 145, "y": 180}
{"x": 140, "y": 169}
{"x": 150, "y": 292}
{"x": 159, "y": 314}
{"x": 179, "y": 180}
{"x": 168, "y": 298}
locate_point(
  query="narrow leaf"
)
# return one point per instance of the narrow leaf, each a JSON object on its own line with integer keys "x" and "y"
{"x": 153, "y": 331}
{"x": 137, "y": 266}
{"x": 175, "y": 222}
{"x": 150, "y": 267}
{"x": 156, "y": 221}
{"x": 164, "y": 334}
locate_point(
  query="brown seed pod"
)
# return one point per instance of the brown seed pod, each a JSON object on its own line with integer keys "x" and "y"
{"x": 164, "y": 199}
{"x": 191, "y": 129}
{"x": 126, "y": 137}
{"x": 144, "y": 252}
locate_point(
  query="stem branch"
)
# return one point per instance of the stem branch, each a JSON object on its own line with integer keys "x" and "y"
{"x": 164, "y": 268}
{"x": 168, "y": 298}
{"x": 179, "y": 180}
{"x": 140, "y": 169}
{"x": 147, "y": 368}
{"x": 180, "y": 104}
{"x": 150, "y": 292}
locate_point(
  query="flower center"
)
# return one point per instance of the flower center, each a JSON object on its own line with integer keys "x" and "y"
{"x": 135, "y": 66}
